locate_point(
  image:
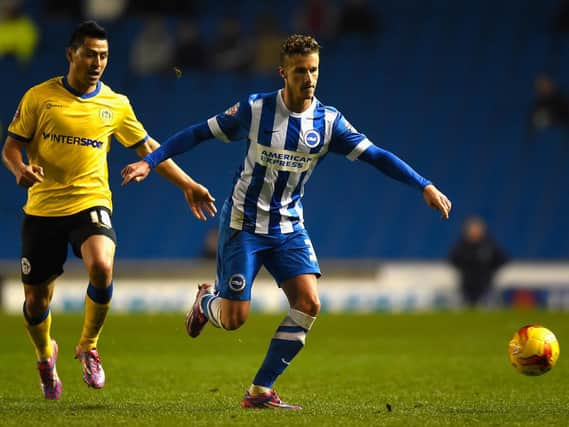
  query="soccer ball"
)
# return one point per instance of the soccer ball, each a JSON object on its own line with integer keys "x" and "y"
{"x": 533, "y": 350}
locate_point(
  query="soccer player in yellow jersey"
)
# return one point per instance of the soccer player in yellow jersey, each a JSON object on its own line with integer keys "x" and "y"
{"x": 65, "y": 126}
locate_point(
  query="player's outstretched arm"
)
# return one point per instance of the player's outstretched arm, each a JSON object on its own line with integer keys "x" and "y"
{"x": 199, "y": 199}
{"x": 26, "y": 175}
{"x": 437, "y": 200}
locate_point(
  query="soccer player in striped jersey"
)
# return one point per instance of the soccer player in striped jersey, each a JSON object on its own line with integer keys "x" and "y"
{"x": 65, "y": 125}
{"x": 287, "y": 132}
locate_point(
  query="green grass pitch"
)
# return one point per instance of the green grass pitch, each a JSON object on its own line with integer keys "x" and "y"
{"x": 432, "y": 369}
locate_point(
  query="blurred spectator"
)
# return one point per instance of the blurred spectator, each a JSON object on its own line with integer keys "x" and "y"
{"x": 559, "y": 29}
{"x": 190, "y": 52}
{"x": 152, "y": 51}
{"x": 209, "y": 249}
{"x": 231, "y": 50}
{"x": 317, "y": 18}
{"x": 67, "y": 8}
{"x": 359, "y": 18}
{"x": 105, "y": 11}
{"x": 550, "y": 107}
{"x": 477, "y": 258}
{"x": 18, "y": 33}
{"x": 179, "y": 8}
{"x": 560, "y": 22}
{"x": 268, "y": 42}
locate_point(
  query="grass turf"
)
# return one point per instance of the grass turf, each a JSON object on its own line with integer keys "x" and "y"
{"x": 357, "y": 370}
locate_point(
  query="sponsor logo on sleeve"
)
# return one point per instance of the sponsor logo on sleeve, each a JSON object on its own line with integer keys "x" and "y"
{"x": 231, "y": 111}
{"x": 16, "y": 115}
{"x": 349, "y": 126}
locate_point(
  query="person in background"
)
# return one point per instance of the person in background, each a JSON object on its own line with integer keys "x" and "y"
{"x": 550, "y": 106}
{"x": 19, "y": 35}
{"x": 477, "y": 257}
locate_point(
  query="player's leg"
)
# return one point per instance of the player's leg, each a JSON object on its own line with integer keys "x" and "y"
{"x": 37, "y": 315}
{"x": 294, "y": 266}
{"x": 238, "y": 262}
{"x": 220, "y": 312}
{"x": 288, "y": 340}
{"x": 44, "y": 250}
{"x": 93, "y": 239}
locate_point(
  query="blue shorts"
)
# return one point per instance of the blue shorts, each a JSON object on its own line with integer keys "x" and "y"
{"x": 240, "y": 255}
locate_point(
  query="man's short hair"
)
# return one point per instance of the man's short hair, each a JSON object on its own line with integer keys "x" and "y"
{"x": 298, "y": 44}
{"x": 86, "y": 29}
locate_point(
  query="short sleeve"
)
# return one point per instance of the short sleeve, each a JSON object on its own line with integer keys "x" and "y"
{"x": 346, "y": 139}
{"x": 233, "y": 124}
{"x": 23, "y": 124}
{"x": 129, "y": 131}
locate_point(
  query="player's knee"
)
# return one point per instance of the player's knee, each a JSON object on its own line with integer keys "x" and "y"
{"x": 100, "y": 270}
{"x": 36, "y": 304}
{"x": 310, "y": 306}
{"x": 232, "y": 321}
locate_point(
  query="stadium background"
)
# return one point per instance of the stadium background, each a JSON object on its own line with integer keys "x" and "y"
{"x": 446, "y": 85}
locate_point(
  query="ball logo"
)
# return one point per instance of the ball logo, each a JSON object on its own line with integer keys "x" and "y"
{"x": 26, "y": 266}
{"x": 311, "y": 138}
{"x": 237, "y": 283}
{"x": 105, "y": 115}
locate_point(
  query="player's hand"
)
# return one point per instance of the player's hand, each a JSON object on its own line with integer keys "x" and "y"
{"x": 29, "y": 175}
{"x": 437, "y": 200}
{"x": 200, "y": 201}
{"x": 136, "y": 172}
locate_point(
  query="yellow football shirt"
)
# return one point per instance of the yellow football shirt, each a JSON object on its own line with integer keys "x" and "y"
{"x": 69, "y": 135}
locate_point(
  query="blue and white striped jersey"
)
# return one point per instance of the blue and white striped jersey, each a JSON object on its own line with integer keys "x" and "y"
{"x": 282, "y": 152}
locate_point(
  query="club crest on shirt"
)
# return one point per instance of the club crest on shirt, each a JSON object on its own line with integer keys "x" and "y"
{"x": 231, "y": 111}
{"x": 26, "y": 265}
{"x": 311, "y": 138}
{"x": 105, "y": 115}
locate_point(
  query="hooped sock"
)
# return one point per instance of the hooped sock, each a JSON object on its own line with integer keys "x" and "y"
{"x": 287, "y": 341}
{"x": 97, "y": 304}
{"x": 38, "y": 329}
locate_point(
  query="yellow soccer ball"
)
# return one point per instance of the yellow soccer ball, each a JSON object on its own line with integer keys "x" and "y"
{"x": 533, "y": 350}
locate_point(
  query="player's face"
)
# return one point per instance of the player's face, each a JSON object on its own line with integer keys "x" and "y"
{"x": 87, "y": 63}
{"x": 300, "y": 74}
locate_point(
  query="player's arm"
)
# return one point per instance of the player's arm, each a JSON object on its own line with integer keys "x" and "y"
{"x": 198, "y": 197}
{"x": 231, "y": 125}
{"x": 178, "y": 143}
{"x": 354, "y": 145}
{"x": 228, "y": 126}
{"x": 394, "y": 167}
{"x": 26, "y": 175}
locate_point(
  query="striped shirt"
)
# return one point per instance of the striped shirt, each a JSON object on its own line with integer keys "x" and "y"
{"x": 283, "y": 150}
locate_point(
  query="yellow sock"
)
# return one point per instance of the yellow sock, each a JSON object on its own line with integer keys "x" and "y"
{"x": 40, "y": 337}
{"x": 95, "y": 315}
{"x": 257, "y": 389}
